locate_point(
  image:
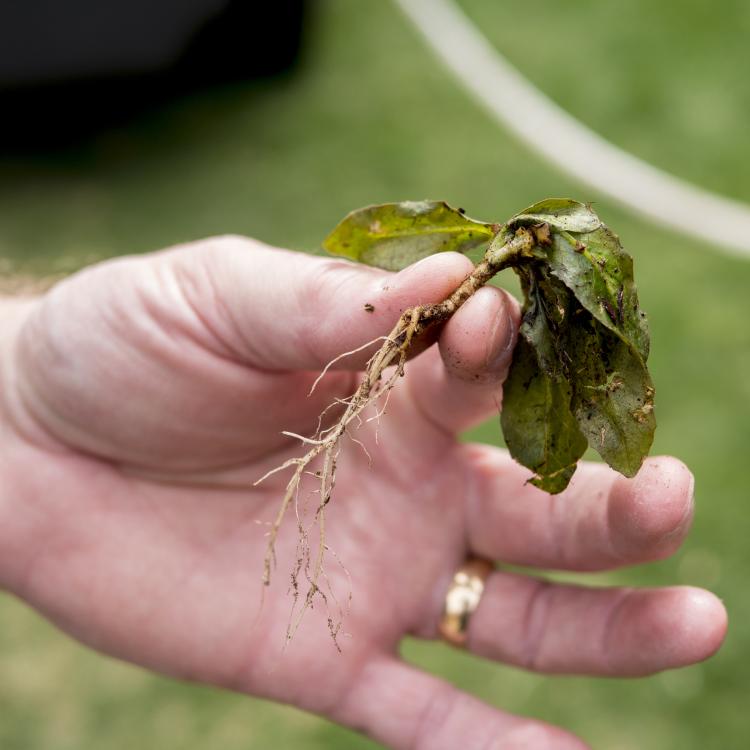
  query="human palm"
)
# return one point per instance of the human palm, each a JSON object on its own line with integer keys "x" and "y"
{"x": 144, "y": 398}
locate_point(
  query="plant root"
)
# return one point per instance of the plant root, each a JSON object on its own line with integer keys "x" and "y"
{"x": 325, "y": 444}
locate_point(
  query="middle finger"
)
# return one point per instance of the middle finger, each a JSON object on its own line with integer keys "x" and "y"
{"x": 568, "y": 629}
{"x": 601, "y": 521}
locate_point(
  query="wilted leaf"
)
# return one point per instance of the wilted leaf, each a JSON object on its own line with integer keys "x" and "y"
{"x": 599, "y": 272}
{"x": 395, "y": 235}
{"x": 546, "y": 311}
{"x": 613, "y": 395}
{"x": 588, "y": 257}
{"x": 539, "y": 428}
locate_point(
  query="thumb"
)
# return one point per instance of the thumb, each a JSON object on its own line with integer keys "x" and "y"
{"x": 280, "y": 310}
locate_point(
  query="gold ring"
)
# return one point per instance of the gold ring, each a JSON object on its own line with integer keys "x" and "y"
{"x": 462, "y": 599}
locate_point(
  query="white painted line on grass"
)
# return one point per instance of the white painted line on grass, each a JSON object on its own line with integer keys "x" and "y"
{"x": 561, "y": 139}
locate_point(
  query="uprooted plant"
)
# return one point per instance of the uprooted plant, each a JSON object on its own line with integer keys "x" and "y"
{"x": 578, "y": 376}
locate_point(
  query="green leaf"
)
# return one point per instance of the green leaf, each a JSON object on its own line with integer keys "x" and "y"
{"x": 613, "y": 395}
{"x": 395, "y": 235}
{"x": 594, "y": 266}
{"x": 539, "y": 428}
{"x": 561, "y": 213}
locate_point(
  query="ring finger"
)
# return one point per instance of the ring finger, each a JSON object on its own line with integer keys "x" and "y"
{"x": 558, "y": 628}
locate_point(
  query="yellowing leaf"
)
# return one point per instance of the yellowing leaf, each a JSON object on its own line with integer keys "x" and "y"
{"x": 395, "y": 235}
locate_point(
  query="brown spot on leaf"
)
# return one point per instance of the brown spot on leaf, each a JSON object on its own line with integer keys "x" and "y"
{"x": 615, "y": 384}
{"x": 641, "y": 415}
{"x": 542, "y": 234}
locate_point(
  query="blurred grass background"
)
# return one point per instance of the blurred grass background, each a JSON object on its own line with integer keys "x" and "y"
{"x": 369, "y": 117}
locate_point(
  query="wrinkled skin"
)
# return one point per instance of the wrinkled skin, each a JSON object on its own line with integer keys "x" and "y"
{"x": 142, "y": 397}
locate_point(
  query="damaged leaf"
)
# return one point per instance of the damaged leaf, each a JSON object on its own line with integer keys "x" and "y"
{"x": 613, "y": 395}
{"x": 395, "y": 235}
{"x": 592, "y": 263}
{"x": 546, "y": 312}
{"x": 561, "y": 213}
{"x": 539, "y": 428}
{"x": 600, "y": 274}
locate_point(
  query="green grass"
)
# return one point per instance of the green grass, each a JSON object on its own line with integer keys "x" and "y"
{"x": 371, "y": 117}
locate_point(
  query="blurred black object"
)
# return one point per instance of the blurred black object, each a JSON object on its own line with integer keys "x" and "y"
{"x": 69, "y": 68}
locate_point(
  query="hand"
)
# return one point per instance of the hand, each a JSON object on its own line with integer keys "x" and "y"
{"x": 144, "y": 396}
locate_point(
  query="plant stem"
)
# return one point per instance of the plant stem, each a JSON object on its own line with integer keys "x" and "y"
{"x": 496, "y": 258}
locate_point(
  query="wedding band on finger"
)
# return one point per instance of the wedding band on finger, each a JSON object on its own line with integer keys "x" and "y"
{"x": 462, "y": 599}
